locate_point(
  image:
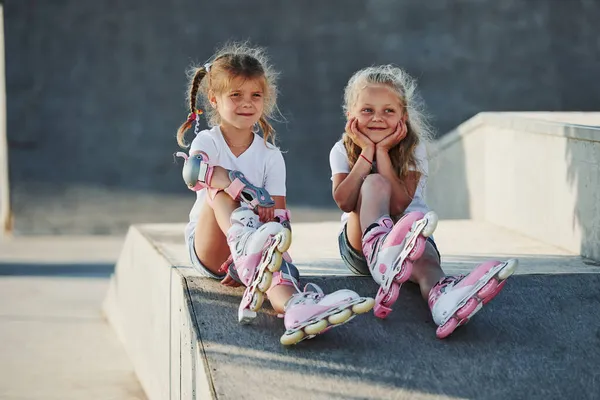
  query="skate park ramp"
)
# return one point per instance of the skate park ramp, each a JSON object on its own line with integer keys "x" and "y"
{"x": 539, "y": 339}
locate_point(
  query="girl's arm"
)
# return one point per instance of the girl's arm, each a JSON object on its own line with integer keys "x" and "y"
{"x": 346, "y": 187}
{"x": 403, "y": 191}
{"x": 279, "y": 202}
{"x": 220, "y": 178}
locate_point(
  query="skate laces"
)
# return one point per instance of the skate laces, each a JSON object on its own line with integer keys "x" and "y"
{"x": 313, "y": 289}
{"x": 448, "y": 282}
{"x": 311, "y": 292}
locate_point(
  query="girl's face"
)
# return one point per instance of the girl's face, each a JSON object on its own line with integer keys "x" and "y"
{"x": 378, "y": 110}
{"x": 242, "y": 105}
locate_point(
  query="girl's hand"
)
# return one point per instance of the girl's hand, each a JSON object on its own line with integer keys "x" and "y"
{"x": 265, "y": 214}
{"x": 357, "y": 136}
{"x": 229, "y": 281}
{"x": 394, "y": 138}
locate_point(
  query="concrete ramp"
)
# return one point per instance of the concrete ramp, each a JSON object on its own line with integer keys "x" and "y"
{"x": 537, "y": 173}
{"x": 540, "y": 339}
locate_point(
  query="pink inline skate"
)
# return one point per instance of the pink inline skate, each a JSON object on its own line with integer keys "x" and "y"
{"x": 257, "y": 253}
{"x": 391, "y": 250}
{"x": 310, "y": 313}
{"x": 454, "y": 300}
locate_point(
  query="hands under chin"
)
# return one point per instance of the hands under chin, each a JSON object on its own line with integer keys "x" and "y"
{"x": 393, "y": 138}
{"x": 359, "y": 138}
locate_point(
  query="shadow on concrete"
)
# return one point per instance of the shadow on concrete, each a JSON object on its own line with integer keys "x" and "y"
{"x": 77, "y": 270}
{"x": 539, "y": 339}
{"x": 583, "y": 174}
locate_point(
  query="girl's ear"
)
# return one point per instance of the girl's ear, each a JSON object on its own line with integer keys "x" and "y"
{"x": 212, "y": 99}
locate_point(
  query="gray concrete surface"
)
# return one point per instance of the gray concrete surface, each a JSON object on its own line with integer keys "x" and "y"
{"x": 537, "y": 340}
{"x": 534, "y": 173}
{"x": 102, "y": 112}
{"x": 56, "y": 345}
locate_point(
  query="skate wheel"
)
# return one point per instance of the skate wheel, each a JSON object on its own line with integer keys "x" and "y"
{"x": 257, "y": 300}
{"x": 275, "y": 262}
{"x": 365, "y": 306}
{"x": 446, "y": 329}
{"x": 265, "y": 281}
{"x": 315, "y": 328}
{"x": 405, "y": 273}
{"x": 467, "y": 309}
{"x": 288, "y": 339}
{"x": 418, "y": 249}
{"x": 487, "y": 289}
{"x": 494, "y": 293}
{"x": 508, "y": 270}
{"x": 432, "y": 220}
{"x": 285, "y": 240}
{"x": 381, "y": 311}
{"x": 389, "y": 298}
{"x": 340, "y": 317}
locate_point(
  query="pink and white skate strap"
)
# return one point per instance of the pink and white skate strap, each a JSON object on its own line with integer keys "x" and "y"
{"x": 234, "y": 189}
{"x": 242, "y": 190}
{"x": 370, "y": 238}
{"x": 283, "y": 214}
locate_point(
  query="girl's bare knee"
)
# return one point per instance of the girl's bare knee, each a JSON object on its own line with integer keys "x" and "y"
{"x": 375, "y": 183}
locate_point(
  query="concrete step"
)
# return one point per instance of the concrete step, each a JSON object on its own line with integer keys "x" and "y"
{"x": 539, "y": 339}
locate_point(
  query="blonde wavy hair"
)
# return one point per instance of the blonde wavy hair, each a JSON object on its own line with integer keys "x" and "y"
{"x": 418, "y": 129}
{"x": 232, "y": 61}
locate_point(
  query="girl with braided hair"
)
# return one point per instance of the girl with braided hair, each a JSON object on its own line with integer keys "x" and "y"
{"x": 239, "y": 229}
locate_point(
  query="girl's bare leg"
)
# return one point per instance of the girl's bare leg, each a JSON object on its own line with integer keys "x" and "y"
{"x": 210, "y": 240}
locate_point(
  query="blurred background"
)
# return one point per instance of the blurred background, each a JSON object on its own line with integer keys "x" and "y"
{"x": 96, "y": 90}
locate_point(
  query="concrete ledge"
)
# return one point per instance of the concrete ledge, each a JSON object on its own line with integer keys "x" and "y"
{"x": 148, "y": 306}
{"x": 181, "y": 331}
{"x": 534, "y": 173}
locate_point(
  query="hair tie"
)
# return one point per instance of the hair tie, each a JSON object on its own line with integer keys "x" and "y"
{"x": 207, "y": 67}
{"x": 192, "y": 117}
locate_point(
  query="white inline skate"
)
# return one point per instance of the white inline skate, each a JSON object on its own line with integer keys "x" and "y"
{"x": 257, "y": 253}
{"x": 454, "y": 300}
{"x": 390, "y": 251}
{"x": 311, "y": 312}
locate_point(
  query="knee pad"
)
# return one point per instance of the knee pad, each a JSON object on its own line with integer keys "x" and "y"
{"x": 197, "y": 172}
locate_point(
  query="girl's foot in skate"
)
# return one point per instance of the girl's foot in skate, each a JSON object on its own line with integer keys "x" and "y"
{"x": 454, "y": 300}
{"x": 257, "y": 253}
{"x": 311, "y": 313}
{"x": 391, "y": 252}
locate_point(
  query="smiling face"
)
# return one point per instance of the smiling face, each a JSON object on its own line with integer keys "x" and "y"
{"x": 378, "y": 110}
{"x": 242, "y": 105}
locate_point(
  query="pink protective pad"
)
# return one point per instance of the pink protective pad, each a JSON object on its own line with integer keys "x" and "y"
{"x": 234, "y": 189}
{"x": 240, "y": 189}
{"x": 197, "y": 172}
{"x": 280, "y": 278}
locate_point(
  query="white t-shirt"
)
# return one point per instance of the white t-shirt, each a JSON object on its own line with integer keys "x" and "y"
{"x": 338, "y": 160}
{"x": 261, "y": 164}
